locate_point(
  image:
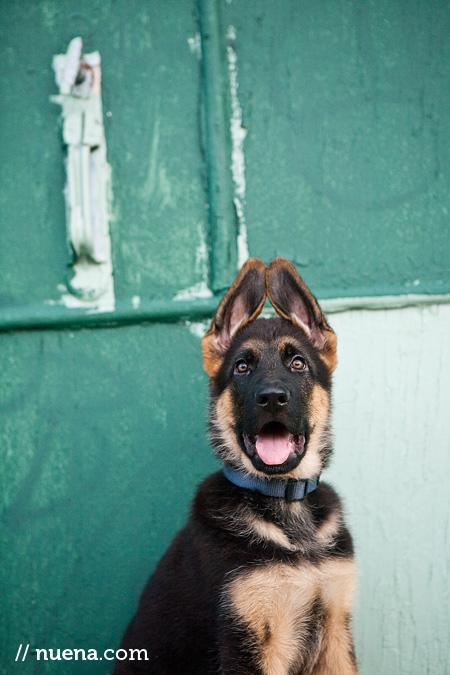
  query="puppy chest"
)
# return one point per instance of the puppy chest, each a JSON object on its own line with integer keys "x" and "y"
{"x": 283, "y": 610}
{"x": 278, "y": 607}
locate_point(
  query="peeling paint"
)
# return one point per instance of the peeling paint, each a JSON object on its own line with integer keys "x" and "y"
{"x": 201, "y": 254}
{"x": 105, "y": 303}
{"x": 238, "y": 134}
{"x": 195, "y": 45}
{"x": 150, "y": 183}
{"x": 157, "y": 186}
{"x": 198, "y": 290}
{"x": 197, "y": 328}
{"x": 201, "y": 288}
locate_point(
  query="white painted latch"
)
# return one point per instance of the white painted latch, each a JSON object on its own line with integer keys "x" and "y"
{"x": 87, "y": 192}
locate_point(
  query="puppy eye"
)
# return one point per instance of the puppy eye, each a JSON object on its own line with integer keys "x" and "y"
{"x": 241, "y": 366}
{"x": 298, "y": 363}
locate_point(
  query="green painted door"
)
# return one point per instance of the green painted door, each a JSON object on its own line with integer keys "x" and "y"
{"x": 103, "y": 430}
{"x": 316, "y": 131}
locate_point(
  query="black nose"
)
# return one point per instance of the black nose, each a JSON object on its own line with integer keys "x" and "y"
{"x": 272, "y": 397}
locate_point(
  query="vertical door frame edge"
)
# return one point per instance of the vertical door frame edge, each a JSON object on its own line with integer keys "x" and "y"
{"x": 217, "y": 147}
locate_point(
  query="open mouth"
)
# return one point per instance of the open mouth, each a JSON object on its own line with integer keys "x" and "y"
{"x": 274, "y": 444}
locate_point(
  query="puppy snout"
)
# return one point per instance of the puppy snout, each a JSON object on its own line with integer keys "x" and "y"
{"x": 273, "y": 397}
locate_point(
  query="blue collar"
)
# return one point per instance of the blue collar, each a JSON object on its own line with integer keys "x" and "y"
{"x": 288, "y": 489}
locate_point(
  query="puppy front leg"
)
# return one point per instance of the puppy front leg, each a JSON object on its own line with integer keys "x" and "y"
{"x": 337, "y": 654}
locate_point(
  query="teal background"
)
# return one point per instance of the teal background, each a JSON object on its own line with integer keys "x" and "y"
{"x": 103, "y": 440}
{"x": 347, "y": 155}
{"x": 103, "y": 416}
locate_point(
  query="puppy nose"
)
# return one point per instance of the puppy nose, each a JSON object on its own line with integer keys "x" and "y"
{"x": 272, "y": 397}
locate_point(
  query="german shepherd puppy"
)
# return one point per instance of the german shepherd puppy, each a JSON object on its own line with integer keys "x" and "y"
{"x": 260, "y": 580}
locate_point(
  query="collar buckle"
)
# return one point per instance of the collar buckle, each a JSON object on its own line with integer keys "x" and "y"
{"x": 289, "y": 492}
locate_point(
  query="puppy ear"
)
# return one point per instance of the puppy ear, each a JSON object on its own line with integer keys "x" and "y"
{"x": 243, "y": 302}
{"x": 293, "y": 300}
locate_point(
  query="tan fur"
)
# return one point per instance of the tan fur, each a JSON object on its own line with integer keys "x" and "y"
{"x": 338, "y": 584}
{"x": 327, "y": 350}
{"x": 247, "y": 524}
{"x": 212, "y": 349}
{"x": 225, "y": 435}
{"x": 283, "y": 343}
{"x": 311, "y": 464}
{"x": 224, "y": 408}
{"x": 223, "y": 430}
{"x": 330, "y": 527}
{"x": 319, "y": 406}
{"x": 267, "y": 531}
{"x": 244, "y": 523}
{"x": 337, "y": 594}
{"x": 328, "y": 353}
{"x": 211, "y": 360}
{"x": 255, "y": 345}
{"x": 275, "y": 601}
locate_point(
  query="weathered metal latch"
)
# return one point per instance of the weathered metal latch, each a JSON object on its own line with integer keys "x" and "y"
{"x": 87, "y": 193}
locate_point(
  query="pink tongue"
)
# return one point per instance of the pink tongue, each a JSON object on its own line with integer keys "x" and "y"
{"x": 274, "y": 448}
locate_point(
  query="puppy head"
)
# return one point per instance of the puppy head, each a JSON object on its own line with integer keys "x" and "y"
{"x": 270, "y": 378}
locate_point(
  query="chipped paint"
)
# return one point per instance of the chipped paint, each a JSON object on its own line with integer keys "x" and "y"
{"x": 195, "y": 45}
{"x": 157, "y": 187}
{"x": 197, "y": 328}
{"x": 106, "y": 303}
{"x": 201, "y": 288}
{"x": 136, "y": 301}
{"x": 202, "y": 254}
{"x": 238, "y": 134}
{"x": 198, "y": 290}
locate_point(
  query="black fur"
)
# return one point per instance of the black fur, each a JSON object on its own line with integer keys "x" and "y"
{"x": 186, "y": 620}
{"x": 182, "y": 620}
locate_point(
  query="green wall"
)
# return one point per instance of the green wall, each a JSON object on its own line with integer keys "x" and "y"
{"x": 150, "y": 101}
{"x": 348, "y": 153}
{"x": 103, "y": 440}
{"x": 346, "y": 158}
